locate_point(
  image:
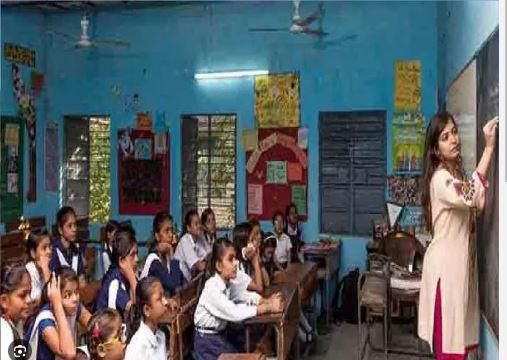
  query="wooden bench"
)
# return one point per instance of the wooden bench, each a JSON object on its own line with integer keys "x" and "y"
{"x": 304, "y": 276}
{"x": 181, "y": 322}
{"x": 35, "y": 223}
{"x": 242, "y": 357}
{"x": 12, "y": 247}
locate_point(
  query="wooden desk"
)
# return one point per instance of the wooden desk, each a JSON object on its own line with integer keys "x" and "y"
{"x": 285, "y": 323}
{"x": 304, "y": 276}
{"x": 252, "y": 356}
{"x": 330, "y": 256}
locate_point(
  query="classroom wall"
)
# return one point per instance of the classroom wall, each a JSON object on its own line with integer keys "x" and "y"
{"x": 170, "y": 44}
{"x": 24, "y": 28}
{"x": 462, "y": 28}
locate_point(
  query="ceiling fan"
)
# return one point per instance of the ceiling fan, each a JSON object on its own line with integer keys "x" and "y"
{"x": 299, "y": 25}
{"x": 84, "y": 41}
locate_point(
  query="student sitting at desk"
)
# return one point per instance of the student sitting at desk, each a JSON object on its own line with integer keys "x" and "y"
{"x": 294, "y": 232}
{"x": 217, "y": 307}
{"x": 107, "y": 248}
{"x": 209, "y": 228}
{"x": 191, "y": 250}
{"x": 283, "y": 245}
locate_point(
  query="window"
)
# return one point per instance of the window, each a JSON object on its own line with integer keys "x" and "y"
{"x": 352, "y": 161}
{"x": 209, "y": 166}
{"x": 87, "y": 180}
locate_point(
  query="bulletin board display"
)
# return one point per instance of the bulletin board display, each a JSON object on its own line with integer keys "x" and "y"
{"x": 11, "y": 168}
{"x": 277, "y": 173}
{"x": 143, "y": 171}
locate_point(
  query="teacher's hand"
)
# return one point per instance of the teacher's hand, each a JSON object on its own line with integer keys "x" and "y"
{"x": 490, "y": 132}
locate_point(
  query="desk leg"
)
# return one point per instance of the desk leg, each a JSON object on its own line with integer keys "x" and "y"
{"x": 247, "y": 342}
{"x": 328, "y": 300}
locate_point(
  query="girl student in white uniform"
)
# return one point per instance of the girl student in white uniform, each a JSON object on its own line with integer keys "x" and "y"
{"x": 216, "y": 307}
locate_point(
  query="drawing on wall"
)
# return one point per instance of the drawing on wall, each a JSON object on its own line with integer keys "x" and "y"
{"x": 277, "y": 100}
{"x": 408, "y": 142}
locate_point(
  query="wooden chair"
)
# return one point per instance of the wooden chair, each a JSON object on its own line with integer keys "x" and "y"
{"x": 373, "y": 296}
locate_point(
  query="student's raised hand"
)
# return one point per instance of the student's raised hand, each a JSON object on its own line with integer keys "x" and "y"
{"x": 43, "y": 262}
{"x": 490, "y": 132}
{"x": 250, "y": 253}
{"x": 172, "y": 305}
{"x": 54, "y": 294}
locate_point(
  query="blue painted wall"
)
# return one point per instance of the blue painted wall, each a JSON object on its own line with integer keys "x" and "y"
{"x": 463, "y": 28}
{"x": 169, "y": 45}
{"x": 29, "y": 36}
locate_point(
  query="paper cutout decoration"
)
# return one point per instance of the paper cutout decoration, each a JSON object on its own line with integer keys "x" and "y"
{"x": 11, "y": 134}
{"x": 408, "y": 141}
{"x": 404, "y": 190}
{"x": 294, "y": 172}
{"x": 276, "y": 172}
{"x": 37, "y": 83}
{"x": 407, "y": 95}
{"x": 19, "y": 54}
{"x": 277, "y": 100}
{"x": 303, "y": 138}
{"x": 252, "y": 160}
{"x": 255, "y": 199}
{"x": 12, "y": 183}
{"x": 143, "y": 149}
{"x": 143, "y": 121}
{"x": 393, "y": 213}
{"x": 268, "y": 142}
{"x": 299, "y": 198}
{"x": 249, "y": 140}
{"x": 126, "y": 145}
{"x": 160, "y": 143}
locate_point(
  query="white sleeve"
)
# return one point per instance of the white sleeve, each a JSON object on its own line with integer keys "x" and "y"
{"x": 106, "y": 261}
{"x": 220, "y": 306}
{"x": 188, "y": 253}
{"x": 6, "y": 338}
{"x": 113, "y": 294}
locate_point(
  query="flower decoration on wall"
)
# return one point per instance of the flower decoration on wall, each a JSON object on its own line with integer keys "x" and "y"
{"x": 26, "y": 103}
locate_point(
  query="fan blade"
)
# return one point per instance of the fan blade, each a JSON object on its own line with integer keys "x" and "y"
{"x": 118, "y": 43}
{"x": 268, "y": 29}
{"x": 313, "y": 32}
{"x": 63, "y": 35}
{"x": 308, "y": 20}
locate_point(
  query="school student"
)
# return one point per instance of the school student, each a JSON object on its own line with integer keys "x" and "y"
{"x": 146, "y": 339}
{"x": 14, "y": 304}
{"x": 119, "y": 283}
{"x": 191, "y": 250}
{"x": 106, "y": 335}
{"x": 159, "y": 262}
{"x": 449, "y": 299}
{"x": 111, "y": 227}
{"x": 66, "y": 251}
{"x": 216, "y": 307}
{"x": 38, "y": 250}
{"x": 294, "y": 232}
{"x": 249, "y": 263}
{"x": 209, "y": 228}
{"x": 53, "y": 332}
{"x": 283, "y": 243}
{"x": 268, "y": 248}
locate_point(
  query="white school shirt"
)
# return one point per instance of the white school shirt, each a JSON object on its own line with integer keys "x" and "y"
{"x": 6, "y": 337}
{"x": 146, "y": 344}
{"x": 283, "y": 246}
{"x": 216, "y": 307}
{"x": 106, "y": 261}
{"x": 188, "y": 252}
{"x": 36, "y": 280}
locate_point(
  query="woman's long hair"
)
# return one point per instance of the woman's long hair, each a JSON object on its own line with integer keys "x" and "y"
{"x": 431, "y": 162}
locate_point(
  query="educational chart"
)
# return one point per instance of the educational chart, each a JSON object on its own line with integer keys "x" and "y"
{"x": 143, "y": 171}
{"x": 277, "y": 174}
{"x": 408, "y": 142}
{"x": 407, "y": 95}
{"x": 277, "y": 100}
{"x": 488, "y": 222}
{"x": 11, "y": 178}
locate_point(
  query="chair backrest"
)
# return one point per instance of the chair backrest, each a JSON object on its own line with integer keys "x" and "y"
{"x": 401, "y": 247}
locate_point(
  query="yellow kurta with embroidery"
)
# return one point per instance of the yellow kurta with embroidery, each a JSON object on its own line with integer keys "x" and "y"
{"x": 446, "y": 259}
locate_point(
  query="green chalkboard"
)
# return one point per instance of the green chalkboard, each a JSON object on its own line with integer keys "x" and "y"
{"x": 11, "y": 166}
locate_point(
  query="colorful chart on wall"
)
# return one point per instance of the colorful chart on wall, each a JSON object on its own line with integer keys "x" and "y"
{"x": 408, "y": 142}
{"x": 407, "y": 94}
{"x": 277, "y": 174}
{"x": 277, "y": 101}
{"x": 143, "y": 171}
